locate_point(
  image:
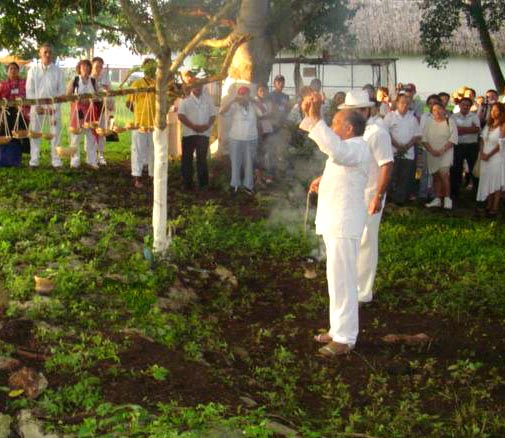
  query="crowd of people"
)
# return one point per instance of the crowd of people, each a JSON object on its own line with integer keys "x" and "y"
{"x": 437, "y": 152}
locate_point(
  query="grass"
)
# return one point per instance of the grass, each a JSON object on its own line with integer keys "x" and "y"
{"x": 119, "y": 364}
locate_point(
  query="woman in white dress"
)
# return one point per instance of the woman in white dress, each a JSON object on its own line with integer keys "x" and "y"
{"x": 440, "y": 134}
{"x": 491, "y": 160}
{"x": 83, "y": 114}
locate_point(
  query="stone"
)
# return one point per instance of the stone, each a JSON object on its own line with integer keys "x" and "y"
{"x": 132, "y": 331}
{"x": 248, "y": 402}
{"x": 30, "y": 381}
{"x": 417, "y": 339}
{"x": 178, "y": 298}
{"x": 31, "y": 427}
{"x": 9, "y": 363}
{"x": 241, "y": 353}
{"x": 280, "y": 429}
{"x": 310, "y": 273}
{"x": 226, "y": 275}
{"x": 5, "y": 426}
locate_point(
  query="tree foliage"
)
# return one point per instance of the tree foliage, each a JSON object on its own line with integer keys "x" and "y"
{"x": 441, "y": 19}
{"x": 70, "y": 26}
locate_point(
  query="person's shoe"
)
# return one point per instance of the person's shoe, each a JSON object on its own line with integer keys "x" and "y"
{"x": 333, "y": 349}
{"x": 447, "y": 203}
{"x": 233, "y": 191}
{"x": 436, "y": 202}
{"x": 248, "y": 191}
{"x": 137, "y": 183}
{"x": 101, "y": 160}
{"x": 323, "y": 338}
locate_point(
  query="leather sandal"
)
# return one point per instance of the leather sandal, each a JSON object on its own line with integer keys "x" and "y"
{"x": 334, "y": 349}
{"x": 323, "y": 338}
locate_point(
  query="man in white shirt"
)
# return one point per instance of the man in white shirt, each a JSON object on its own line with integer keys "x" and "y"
{"x": 341, "y": 215}
{"x": 45, "y": 80}
{"x": 405, "y": 132}
{"x": 197, "y": 114}
{"x": 468, "y": 124}
{"x": 379, "y": 173}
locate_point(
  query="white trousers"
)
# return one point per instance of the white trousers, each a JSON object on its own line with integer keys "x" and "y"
{"x": 242, "y": 156}
{"x": 341, "y": 274}
{"x": 36, "y": 122}
{"x": 142, "y": 152}
{"x": 89, "y": 146}
{"x": 368, "y": 257}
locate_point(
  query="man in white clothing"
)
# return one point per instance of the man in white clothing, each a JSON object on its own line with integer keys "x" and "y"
{"x": 197, "y": 114}
{"x": 341, "y": 214}
{"x": 379, "y": 174}
{"x": 405, "y": 133}
{"x": 45, "y": 80}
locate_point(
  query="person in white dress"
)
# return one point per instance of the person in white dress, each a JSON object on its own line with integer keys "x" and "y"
{"x": 440, "y": 134}
{"x": 244, "y": 114}
{"x": 491, "y": 160}
{"x": 83, "y": 115}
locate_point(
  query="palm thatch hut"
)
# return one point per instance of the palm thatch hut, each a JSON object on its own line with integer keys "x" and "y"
{"x": 384, "y": 27}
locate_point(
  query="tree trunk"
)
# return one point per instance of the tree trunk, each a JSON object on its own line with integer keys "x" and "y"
{"x": 253, "y": 60}
{"x": 160, "y": 237}
{"x": 488, "y": 46}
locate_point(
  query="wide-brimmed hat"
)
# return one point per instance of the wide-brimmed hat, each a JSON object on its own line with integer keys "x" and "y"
{"x": 355, "y": 99}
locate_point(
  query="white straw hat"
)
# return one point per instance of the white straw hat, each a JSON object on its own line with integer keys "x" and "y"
{"x": 356, "y": 99}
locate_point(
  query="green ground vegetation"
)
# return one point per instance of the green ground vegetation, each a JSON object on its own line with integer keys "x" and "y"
{"x": 251, "y": 332}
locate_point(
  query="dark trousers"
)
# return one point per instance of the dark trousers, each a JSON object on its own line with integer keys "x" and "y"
{"x": 468, "y": 152}
{"x": 10, "y": 154}
{"x": 190, "y": 145}
{"x": 402, "y": 180}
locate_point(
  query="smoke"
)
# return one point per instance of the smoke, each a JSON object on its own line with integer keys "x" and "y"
{"x": 297, "y": 162}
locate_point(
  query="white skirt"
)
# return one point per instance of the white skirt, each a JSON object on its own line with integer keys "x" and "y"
{"x": 491, "y": 178}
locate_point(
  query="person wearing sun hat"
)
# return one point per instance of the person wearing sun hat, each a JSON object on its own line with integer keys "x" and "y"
{"x": 379, "y": 175}
{"x": 341, "y": 213}
{"x": 243, "y": 138}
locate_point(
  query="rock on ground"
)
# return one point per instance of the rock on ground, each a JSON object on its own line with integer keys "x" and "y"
{"x": 31, "y": 427}
{"x": 30, "y": 381}
{"x": 5, "y": 426}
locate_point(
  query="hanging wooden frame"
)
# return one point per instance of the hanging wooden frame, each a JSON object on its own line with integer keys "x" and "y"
{"x": 48, "y": 122}
{"x": 6, "y": 136}
{"x": 103, "y": 120}
{"x": 16, "y": 131}
{"x": 74, "y": 119}
{"x": 90, "y": 119}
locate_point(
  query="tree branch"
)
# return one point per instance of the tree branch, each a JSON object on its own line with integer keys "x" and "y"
{"x": 141, "y": 30}
{"x": 199, "y": 36}
{"x": 216, "y": 43}
{"x": 158, "y": 25}
{"x": 199, "y": 12}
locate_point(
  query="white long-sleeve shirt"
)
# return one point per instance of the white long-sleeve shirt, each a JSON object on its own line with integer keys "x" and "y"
{"x": 341, "y": 208}
{"x": 43, "y": 82}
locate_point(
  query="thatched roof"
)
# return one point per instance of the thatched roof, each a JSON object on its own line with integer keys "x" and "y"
{"x": 384, "y": 27}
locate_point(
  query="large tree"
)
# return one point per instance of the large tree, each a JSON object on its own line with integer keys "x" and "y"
{"x": 443, "y": 18}
{"x": 274, "y": 24}
{"x": 155, "y": 26}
